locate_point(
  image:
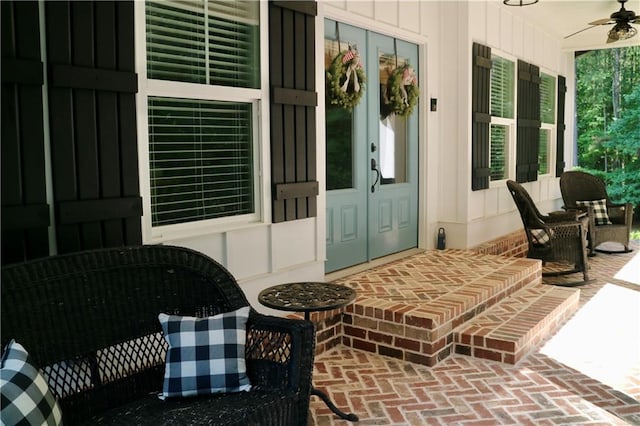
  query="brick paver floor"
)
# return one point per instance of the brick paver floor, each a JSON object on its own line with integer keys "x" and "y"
{"x": 588, "y": 373}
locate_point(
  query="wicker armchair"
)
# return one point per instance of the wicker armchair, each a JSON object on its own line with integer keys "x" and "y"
{"x": 580, "y": 186}
{"x": 90, "y": 321}
{"x": 554, "y": 238}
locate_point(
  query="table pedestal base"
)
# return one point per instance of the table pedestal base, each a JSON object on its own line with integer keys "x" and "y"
{"x": 351, "y": 417}
{"x": 306, "y": 297}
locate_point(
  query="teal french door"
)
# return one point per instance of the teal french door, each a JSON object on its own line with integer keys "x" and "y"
{"x": 371, "y": 157}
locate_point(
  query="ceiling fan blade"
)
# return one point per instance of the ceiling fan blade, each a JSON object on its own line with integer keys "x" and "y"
{"x": 611, "y": 40}
{"x": 603, "y": 21}
{"x": 578, "y": 32}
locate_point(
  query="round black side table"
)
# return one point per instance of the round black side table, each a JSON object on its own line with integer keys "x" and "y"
{"x": 308, "y": 297}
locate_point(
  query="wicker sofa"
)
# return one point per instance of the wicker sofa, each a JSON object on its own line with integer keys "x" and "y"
{"x": 89, "y": 320}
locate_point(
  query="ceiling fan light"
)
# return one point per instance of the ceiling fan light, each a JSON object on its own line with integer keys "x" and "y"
{"x": 519, "y": 2}
{"x": 621, "y": 31}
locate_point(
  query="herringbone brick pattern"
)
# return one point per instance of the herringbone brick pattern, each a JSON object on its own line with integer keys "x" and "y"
{"x": 409, "y": 308}
{"x": 509, "y": 330}
{"x": 538, "y": 390}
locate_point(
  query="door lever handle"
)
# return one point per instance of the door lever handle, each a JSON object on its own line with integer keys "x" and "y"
{"x": 374, "y": 167}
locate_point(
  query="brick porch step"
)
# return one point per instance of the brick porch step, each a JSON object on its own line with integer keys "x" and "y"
{"x": 409, "y": 309}
{"x": 512, "y": 328}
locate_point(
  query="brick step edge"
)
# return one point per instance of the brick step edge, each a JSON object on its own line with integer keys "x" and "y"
{"x": 509, "y": 330}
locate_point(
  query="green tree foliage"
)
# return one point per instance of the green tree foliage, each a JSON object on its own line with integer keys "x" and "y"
{"x": 625, "y": 141}
{"x": 608, "y": 118}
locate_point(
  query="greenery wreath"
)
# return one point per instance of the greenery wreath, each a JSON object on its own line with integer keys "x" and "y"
{"x": 338, "y": 74}
{"x": 402, "y": 91}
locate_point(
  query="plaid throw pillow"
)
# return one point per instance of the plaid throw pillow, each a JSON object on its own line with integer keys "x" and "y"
{"x": 26, "y": 398}
{"x": 599, "y": 210}
{"x": 205, "y": 355}
{"x": 540, "y": 236}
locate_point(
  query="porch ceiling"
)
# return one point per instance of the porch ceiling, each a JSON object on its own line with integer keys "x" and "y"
{"x": 560, "y": 18}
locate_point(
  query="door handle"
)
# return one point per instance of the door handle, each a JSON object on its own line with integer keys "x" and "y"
{"x": 374, "y": 167}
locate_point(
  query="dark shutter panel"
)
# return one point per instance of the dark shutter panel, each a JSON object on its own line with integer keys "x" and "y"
{"x": 481, "y": 119}
{"x": 293, "y": 109}
{"x": 560, "y": 124}
{"x": 528, "y": 134}
{"x": 25, "y": 212}
{"x": 92, "y": 87}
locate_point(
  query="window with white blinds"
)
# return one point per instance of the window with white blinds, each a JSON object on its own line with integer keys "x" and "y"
{"x": 502, "y": 87}
{"x": 201, "y": 164}
{"x": 207, "y": 42}
{"x": 202, "y": 57}
{"x": 499, "y": 143}
{"x": 543, "y": 151}
{"x": 547, "y": 98}
{"x": 546, "y": 146}
{"x": 502, "y": 101}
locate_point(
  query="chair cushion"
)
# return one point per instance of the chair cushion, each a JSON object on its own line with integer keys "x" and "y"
{"x": 540, "y": 236}
{"x": 205, "y": 355}
{"x": 26, "y": 397}
{"x": 599, "y": 210}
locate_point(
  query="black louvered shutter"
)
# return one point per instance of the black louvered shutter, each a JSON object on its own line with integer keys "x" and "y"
{"x": 560, "y": 125}
{"x": 25, "y": 212}
{"x": 294, "y": 100}
{"x": 528, "y": 133}
{"x": 481, "y": 118}
{"x": 92, "y": 86}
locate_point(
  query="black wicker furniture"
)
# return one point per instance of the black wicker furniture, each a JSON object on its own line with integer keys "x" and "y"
{"x": 558, "y": 237}
{"x": 90, "y": 321}
{"x": 577, "y": 186}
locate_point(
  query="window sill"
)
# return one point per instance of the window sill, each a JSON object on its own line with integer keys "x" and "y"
{"x": 198, "y": 229}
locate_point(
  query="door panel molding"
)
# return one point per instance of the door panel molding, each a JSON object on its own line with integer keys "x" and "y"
{"x": 385, "y": 216}
{"x": 404, "y": 212}
{"x": 349, "y": 223}
{"x": 329, "y": 236}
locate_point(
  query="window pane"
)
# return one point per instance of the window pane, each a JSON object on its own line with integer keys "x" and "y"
{"x": 392, "y": 128}
{"x": 339, "y": 128}
{"x": 175, "y": 42}
{"x": 393, "y": 149}
{"x": 339, "y": 124}
{"x": 543, "y": 152}
{"x": 547, "y": 98}
{"x": 499, "y": 140}
{"x": 219, "y": 47}
{"x": 201, "y": 162}
{"x": 502, "y": 87}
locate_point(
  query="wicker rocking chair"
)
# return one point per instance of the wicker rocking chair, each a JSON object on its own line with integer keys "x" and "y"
{"x": 580, "y": 188}
{"x": 559, "y": 237}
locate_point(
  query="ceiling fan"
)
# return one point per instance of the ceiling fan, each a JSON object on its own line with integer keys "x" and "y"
{"x": 622, "y": 19}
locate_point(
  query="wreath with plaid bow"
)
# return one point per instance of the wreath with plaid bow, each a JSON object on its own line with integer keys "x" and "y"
{"x": 345, "y": 79}
{"x": 402, "y": 92}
